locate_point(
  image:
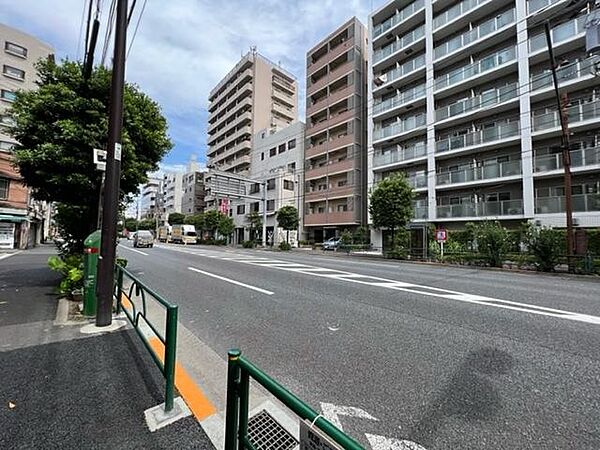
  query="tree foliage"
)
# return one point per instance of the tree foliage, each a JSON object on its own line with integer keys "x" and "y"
{"x": 391, "y": 204}
{"x": 211, "y": 221}
{"x": 492, "y": 241}
{"x": 225, "y": 226}
{"x": 254, "y": 220}
{"x": 195, "y": 219}
{"x": 59, "y": 125}
{"x": 546, "y": 246}
{"x": 176, "y": 218}
{"x": 288, "y": 219}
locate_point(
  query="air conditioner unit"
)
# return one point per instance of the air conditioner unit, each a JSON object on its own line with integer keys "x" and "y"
{"x": 381, "y": 79}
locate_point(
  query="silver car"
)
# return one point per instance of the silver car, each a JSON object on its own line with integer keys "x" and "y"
{"x": 143, "y": 238}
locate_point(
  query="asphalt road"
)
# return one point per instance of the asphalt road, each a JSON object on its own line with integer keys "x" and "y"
{"x": 448, "y": 358}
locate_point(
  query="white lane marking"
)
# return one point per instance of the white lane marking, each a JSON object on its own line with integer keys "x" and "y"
{"x": 134, "y": 250}
{"x": 385, "y": 443}
{"x": 8, "y": 255}
{"x": 332, "y": 412}
{"x": 229, "y": 280}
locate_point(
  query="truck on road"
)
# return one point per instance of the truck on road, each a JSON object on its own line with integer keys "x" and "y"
{"x": 164, "y": 233}
{"x": 183, "y": 234}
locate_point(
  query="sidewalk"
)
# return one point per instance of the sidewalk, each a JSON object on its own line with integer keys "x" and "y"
{"x": 62, "y": 389}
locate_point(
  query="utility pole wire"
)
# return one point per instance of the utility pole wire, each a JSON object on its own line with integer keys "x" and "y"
{"x": 136, "y": 28}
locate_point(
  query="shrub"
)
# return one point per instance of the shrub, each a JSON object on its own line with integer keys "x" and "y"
{"x": 545, "y": 245}
{"x": 248, "y": 244}
{"x": 71, "y": 269}
{"x": 492, "y": 242}
{"x": 284, "y": 246}
{"x": 399, "y": 252}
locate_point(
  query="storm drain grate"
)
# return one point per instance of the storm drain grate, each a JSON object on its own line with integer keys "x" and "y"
{"x": 266, "y": 433}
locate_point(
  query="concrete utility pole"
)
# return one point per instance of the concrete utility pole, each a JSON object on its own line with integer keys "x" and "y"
{"x": 562, "y": 102}
{"x": 108, "y": 249}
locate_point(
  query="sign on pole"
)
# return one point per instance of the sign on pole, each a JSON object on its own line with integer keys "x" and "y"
{"x": 100, "y": 159}
{"x": 312, "y": 438}
{"x": 441, "y": 236}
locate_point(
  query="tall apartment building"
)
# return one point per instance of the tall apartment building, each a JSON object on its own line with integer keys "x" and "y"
{"x": 255, "y": 95}
{"x": 193, "y": 192}
{"x": 462, "y": 102}
{"x": 22, "y": 220}
{"x": 172, "y": 192}
{"x": 335, "y": 148}
{"x": 150, "y": 207}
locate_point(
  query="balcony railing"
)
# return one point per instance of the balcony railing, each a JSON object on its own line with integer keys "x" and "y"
{"x": 403, "y": 97}
{"x": 399, "y": 43}
{"x": 488, "y": 27}
{"x": 581, "y": 203}
{"x": 421, "y": 213}
{"x": 487, "y": 172}
{"x": 536, "y": 5}
{"x": 405, "y": 125}
{"x": 404, "y": 69}
{"x": 417, "y": 181}
{"x": 579, "y": 158}
{"x": 483, "y": 209}
{"x": 576, "y": 113}
{"x": 401, "y": 154}
{"x": 456, "y": 11}
{"x": 571, "y": 71}
{"x": 560, "y": 33}
{"x": 400, "y": 16}
{"x": 484, "y": 100}
{"x": 486, "y": 64}
{"x": 500, "y": 131}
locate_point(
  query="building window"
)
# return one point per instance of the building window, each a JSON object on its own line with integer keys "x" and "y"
{"x": 262, "y": 156}
{"x": 5, "y": 145}
{"x": 254, "y": 188}
{"x": 15, "y": 49}
{"x": 13, "y": 72}
{"x": 288, "y": 185}
{"x": 254, "y": 207}
{"x": 270, "y": 205}
{"x": 273, "y": 151}
{"x": 4, "y": 183}
{"x": 292, "y": 144}
{"x": 291, "y": 167}
{"x": 9, "y": 96}
{"x": 342, "y": 208}
{"x": 271, "y": 184}
{"x": 241, "y": 209}
{"x": 282, "y": 148}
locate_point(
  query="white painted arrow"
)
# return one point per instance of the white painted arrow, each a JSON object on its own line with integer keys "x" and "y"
{"x": 332, "y": 412}
{"x": 385, "y": 443}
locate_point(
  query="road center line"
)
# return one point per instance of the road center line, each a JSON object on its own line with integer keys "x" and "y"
{"x": 229, "y": 280}
{"x": 8, "y": 255}
{"x": 133, "y": 250}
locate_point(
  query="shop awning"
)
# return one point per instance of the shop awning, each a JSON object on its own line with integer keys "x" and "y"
{"x": 13, "y": 218}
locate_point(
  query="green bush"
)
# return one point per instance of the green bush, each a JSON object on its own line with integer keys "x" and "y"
{"x": 284, "y": 246}
{"x": 594, "y": 241}
{"x": 71, "y": 269}
{"x": 248, "y": 244}
{"x": 546, "y": 246}
{"x": 346, "y": 238}
{"x": 492, "y": 242}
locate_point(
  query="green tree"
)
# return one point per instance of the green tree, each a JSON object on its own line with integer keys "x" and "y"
{"x": 287, "y": 218}
{"x": 225, "y": 226}
{"x": 147, "y": 224}
{"x": 176, "y": 218}
{"x": 59, "y": 125}
{"x": 211, "y": 221}
{"x": 546, "y": 245}
{"x": 130, "y": 224}
{"x": 197, "y": 220}
{"x": 391, "y": 204}
{"x": 492, "y": 241}
{"x": 254, "y": 219}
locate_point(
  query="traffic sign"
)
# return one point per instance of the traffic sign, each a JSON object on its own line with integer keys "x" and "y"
{"x": 441, "y": 235}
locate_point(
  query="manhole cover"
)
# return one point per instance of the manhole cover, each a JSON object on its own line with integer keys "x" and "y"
{"x": 266, "y": 433}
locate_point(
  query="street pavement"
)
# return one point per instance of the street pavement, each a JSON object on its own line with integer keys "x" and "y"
{"x": 445, "y": 357}
{"x": 63, "y": 389}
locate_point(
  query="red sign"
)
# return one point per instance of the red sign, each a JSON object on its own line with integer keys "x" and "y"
{"x": 224, "y": 206}
{"x": 440, "y": 235}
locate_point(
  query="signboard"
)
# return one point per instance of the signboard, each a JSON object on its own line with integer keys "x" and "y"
{"x": 440, "y": 235}
{"x": 100, "y": 159}
{"x": 312, "y": 438}
{"x": 7, "y": 235}
{"x": 224, "y": 206}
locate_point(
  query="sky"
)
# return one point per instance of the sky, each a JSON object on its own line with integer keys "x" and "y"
{"x": 183, "y": 48}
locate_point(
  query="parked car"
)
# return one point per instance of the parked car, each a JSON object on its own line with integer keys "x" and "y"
{"x": 331, "y": 243}
{"x": 143, "y": 238}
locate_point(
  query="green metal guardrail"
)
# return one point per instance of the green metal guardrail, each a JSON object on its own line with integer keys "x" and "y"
{"x": 239, "y": 371}
{"x": 139, "y": 315}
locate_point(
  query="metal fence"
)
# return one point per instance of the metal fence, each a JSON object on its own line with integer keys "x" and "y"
{"x": 138, "y": 316}
{"x": 239, "y": 372}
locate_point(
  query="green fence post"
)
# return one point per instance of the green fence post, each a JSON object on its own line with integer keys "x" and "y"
{"x": 231, "y": 413}
{"x": 244, "y": 400}
{"x": 170, "y": 356}
{"x": 119, "y": 288}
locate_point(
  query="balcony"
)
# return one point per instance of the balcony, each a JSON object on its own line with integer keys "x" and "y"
{"x": 571, "y": 71}
{"x": 330, "y": 145}
{"x": 283, "y": 97}
{"x": 330, "y": 56}
{"x": 401, "y": 71}
{"x": 484, "y": 29}
{"x": 236, "y": 163}
{"x": 421, "y": 213}
{"x": 536, "y": 5}
{"x": 333, "y": 218}
{"x": 331, "y": 99}
{"x": 247, "y": 130}
{"x": 486, "y": 100}
{"x": 400, "y": 43}
{"x": 491, "y": 135}
{"x": 487, "y": 64}
{"x": 578, "y": 113}
{"x": 554, "y": 205}
{"x": 236, "y": 122}
{"x": 560, "y": 33}
{"x": 242, "y": 77}
{"x": 242, "y": 146}
{"x": 331, "y": 121}
{"x": 482, "y": 209}
{"x": 283, "y": 110}
{"x": 227, "y": 103}
{"x": 474, "y": 174}
{"x": 404, "y": 126}
{"x": 585, "y": 157}
{"x": 455, "y": 12}
{"x": 333, "y": 192}
{"x": 245, "y": 103}
{"x": 333, "y": 167}
{"x": 401, "y": 154}
{"x": 402, "y": 98}
{"x": 417, "y": 180}
{"x": 400, "y": 16}
{"x": 331, "y": 76}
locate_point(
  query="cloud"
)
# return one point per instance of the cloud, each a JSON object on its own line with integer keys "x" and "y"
{"x": 183, "y": 48}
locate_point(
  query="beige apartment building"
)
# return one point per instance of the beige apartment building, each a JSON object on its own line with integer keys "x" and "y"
{"x": 256, "y": 94}
{"x": 336, "y": 142}
{"x": 23, "y": 221}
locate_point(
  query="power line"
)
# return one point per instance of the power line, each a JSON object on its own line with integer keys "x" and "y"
{"x": 136, "y": 27}
{"x": 81, "y": 30}
{"x": 108, "y": 32}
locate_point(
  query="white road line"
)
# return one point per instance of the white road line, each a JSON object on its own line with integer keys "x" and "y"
{"x": 229, "y": 280}
{"x": 8, "y": 255}
{"x": 134, "y": 250}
